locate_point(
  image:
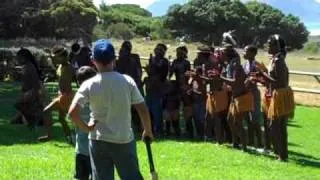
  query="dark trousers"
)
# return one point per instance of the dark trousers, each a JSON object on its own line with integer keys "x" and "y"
{"x": 214, "y": 127}
{"x": 218, "y": 128}
{"x": 199, "y": 116}
{"x": 83, "y": 167}
{"x": 267, "y": 136}
{"x": 280, "y": 137}
{"x": 154, "y": 104}
{"x": 209, "y": 126}
{"x": 238, "y": 130}
{"x": 187, "y": 115}
{"x": 253, "y": 119}
{"x": 226, "y": 128}
{"x": 254, "y": 130}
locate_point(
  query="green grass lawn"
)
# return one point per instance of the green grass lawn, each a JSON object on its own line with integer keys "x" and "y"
{"x": 22, "y": 157}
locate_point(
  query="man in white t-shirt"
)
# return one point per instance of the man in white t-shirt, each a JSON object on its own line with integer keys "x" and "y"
{"x": 110, "y": 96}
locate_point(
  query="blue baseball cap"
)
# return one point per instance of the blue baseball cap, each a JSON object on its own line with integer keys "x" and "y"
{"x": 103, "y": 51}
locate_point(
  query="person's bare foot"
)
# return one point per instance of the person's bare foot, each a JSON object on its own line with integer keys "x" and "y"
{"x": 44, "y": 138}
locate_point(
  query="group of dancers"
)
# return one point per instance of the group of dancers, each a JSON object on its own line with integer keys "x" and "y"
{"x": 217, "y": 96}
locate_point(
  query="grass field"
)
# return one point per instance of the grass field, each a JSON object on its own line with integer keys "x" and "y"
{"x": 22, "y": 157}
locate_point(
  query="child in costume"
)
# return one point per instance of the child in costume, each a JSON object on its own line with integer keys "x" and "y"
{"x": 171, "y": 103}
{"x": 217, "y": 101}
{"x": 178, "y": 68}
{"x": 253, "y": 118}
{"x": 64, "y": 99}
{"x": 241, "y": 104}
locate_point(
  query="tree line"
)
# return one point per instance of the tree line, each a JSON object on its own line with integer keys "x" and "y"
{"x": 200, "y": 20}
{"x": 47, "y": 18}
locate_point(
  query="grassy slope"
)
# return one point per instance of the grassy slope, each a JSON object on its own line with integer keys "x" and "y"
{"x": 21, "y": 157}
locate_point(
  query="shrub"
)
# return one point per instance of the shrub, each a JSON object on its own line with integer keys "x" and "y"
{"x": 312, "y": 47}
{"x": 120, "y": 31}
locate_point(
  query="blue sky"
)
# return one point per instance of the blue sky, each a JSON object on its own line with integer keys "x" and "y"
{"x": 307, "y": 10}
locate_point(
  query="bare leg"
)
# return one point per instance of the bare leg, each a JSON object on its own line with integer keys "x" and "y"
{"x": 47, "y": 120}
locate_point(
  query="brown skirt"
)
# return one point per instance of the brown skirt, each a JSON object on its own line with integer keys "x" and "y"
{"x": 281, "y": 104}
{"x": 244, "y": 103}
{"x": 217, "y": 102}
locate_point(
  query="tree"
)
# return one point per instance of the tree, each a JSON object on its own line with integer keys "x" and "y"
{"x": 138, "y": 20}
{"x": 73, "y": 18}
{"x": 294, "y": 32}
{"x": 269, "y": 20}
{"x": 206, "y": 20}
{"x": 47, "y": 18}
{"x": 253, "y": 22}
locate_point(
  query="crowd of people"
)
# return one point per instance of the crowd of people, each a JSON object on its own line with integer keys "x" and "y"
{"x": 216, "y": 97}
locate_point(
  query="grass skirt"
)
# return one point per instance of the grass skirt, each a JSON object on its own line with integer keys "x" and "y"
{"x": 217, "y": 102}
{"x": 244, "y": 103}
{"x": 281, "y": 104}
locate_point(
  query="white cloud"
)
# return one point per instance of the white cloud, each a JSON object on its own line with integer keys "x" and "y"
{"x": 318, "y": 1}
{"x": 142, "y": 3}
{"x": 315, "y": 32}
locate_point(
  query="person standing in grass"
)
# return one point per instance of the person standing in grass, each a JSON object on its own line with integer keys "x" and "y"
{"x": 83, "y": 166}
{"x": 110, "y": 96}
{"x": 217, "y": 101}
{"x": 240, "y": 105}
{"x": 178, "y": 68}
{"x": 158, "y": 69}
{"x": 253, "y": 118}
{"x": 63, "y": 101}
{"x": 198, "y": 92}
{"x": 130, "y": 64}
{"x": 30, "y": 104}
{"x": 279, "y": 101}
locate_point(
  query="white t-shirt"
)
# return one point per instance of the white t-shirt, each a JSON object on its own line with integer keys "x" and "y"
{"x": 110, "y": 96}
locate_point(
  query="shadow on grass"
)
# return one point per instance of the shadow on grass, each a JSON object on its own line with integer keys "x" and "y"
{"x": 292, "y": 124}
{"x": 294, "y": 144}
{"x": 20, "y": 134}
{"x": 301, "y": 155}
{"x": 309, "y": 163}
{"x": 304, "y": 159}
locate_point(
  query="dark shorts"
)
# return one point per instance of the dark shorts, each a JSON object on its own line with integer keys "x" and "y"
{"x": 83, "y": 167}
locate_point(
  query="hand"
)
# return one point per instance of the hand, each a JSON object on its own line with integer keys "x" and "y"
{"x": 252, "y": 78}
{"x": 147, "y": 134}
{"x": 92, "y": 126}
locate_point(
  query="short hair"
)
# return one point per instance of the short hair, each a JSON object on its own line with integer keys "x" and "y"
{"x": 278, "y": 41}
{"x": 84, "y": 73}
{"x": 127, "y": 44}
{"x": 182, "y": 48}
{"x": 252, "y": 48}
{"x": 75, "y": 47}
{"x": 59, "y": 51}
{"x": 161, "y": 45}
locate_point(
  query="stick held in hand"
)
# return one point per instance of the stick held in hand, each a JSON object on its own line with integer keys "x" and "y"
{"x": 147, "y": 140}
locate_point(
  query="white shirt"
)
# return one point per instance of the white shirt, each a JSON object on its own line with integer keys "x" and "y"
{"x": 110, "y": 96}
